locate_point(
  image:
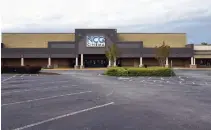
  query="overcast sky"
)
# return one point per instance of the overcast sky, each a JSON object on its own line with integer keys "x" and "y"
{"x": 187, "y": 16}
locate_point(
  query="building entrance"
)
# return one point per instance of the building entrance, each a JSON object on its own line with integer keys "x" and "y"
{"x": 203, "y": 63}
{"x": 94, "y": 61}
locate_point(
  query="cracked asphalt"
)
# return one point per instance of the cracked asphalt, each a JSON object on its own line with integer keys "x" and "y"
{"x": 87, "y": 100}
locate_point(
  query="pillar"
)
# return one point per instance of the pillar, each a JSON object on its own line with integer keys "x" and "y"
{"x": 115, "y": 62}
{"x": 167, "y": 62}
{"x": 22, "y": 61}
{"x": 49, "y": 62}
{"x": 76, "y": 62}
{"x": 82, "y": 61}
{"x": 109, "y": 63}
{"x": 193, "y": 63}
{"x": 140, "y": 62}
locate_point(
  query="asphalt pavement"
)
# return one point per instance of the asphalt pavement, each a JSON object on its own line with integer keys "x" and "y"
{"x": 87, "y": 100}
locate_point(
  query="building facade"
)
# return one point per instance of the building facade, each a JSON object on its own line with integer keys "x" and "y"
{"x": 86, "y": 48}
{"x": 202, "y": 56}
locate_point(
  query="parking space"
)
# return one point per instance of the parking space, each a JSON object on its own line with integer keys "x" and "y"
{"x": 87, "y": 100}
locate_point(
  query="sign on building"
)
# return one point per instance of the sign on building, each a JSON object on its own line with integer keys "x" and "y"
{"x": 95, "y": 41}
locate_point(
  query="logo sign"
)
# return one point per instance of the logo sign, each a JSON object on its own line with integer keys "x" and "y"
{"x": 95, "y": 41}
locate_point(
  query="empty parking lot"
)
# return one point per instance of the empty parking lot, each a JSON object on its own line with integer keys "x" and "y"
{"x": 87, "y": 100}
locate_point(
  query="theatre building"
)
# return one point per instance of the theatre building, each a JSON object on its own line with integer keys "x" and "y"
{"x": 86, "y": 48}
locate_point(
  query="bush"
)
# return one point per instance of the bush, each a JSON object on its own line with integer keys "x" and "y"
{"x": 21, "y": 69}
{"x": 155, "y": 71}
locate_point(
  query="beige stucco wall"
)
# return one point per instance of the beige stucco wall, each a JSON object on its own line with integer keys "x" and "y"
{"x": 40, "y": 40}
{"x": 202, "y": 56}
{"x": 154, "y": 39}
{"x": 202, "y": 48}
{"x": 33, "y": 40}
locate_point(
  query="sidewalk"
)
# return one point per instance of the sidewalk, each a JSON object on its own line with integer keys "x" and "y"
{"x": 192, "y": 68}
{"x": 106, "y": 68}
{"x": 77, "y": 69}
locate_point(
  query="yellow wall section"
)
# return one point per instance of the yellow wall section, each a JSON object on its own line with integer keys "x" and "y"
{"x": 202, "y": 56}
{"x": 33, "y": 40}
{"x": 154, "y": 39}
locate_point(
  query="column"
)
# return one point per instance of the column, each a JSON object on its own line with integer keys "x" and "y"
{"x": 167, "y": 62}
{"x": 22, "y": 61}
{"x": 49, "y": 62}
{"x": 82, "y": 61}
{"x": 76, "y": 62}
{"x": 109, "y": 63}
{"x": 140, "y": 62}
{"x": 192, "y": 62}
{"x": 115, "y": 62}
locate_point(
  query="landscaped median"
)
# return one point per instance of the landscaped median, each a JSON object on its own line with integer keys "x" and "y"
{"x": 132, "y": 71}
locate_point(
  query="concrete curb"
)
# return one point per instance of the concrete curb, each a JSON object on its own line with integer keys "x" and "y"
{"x": 78, "y": 69}
{"x": 192, "y": 68}
{"x": 106, "y": 68}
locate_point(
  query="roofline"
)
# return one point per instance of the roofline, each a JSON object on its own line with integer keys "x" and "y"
{"x": 150, "y": 33}
{"x": 95, "y": 28}
{"x": 74, "y": 33}
{"x": 34, "y": 33}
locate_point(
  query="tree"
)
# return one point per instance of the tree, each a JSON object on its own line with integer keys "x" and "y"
{"x": 204, "y": 43}
{"x": 112, "y": 53}
{"x": 162, "y": 52}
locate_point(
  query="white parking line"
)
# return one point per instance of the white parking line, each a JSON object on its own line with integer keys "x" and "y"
{"x": 182, "y": 79}
{"x": 142, "y": 81}
{"x": 37, "y": 82}
{"x": 62, "y": 116}
{"x": 22, "y": 75}
{"x": 26, "y": 90}
{"x": 110, "y": 93}
{"x": 9, "y": 78}
{"x": 38, "y": 99}
{"x": 55, "y": 82}
{"x": 21, "y": 81}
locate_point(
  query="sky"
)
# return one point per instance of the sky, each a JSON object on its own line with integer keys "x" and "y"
{"x": 141, "y": 16}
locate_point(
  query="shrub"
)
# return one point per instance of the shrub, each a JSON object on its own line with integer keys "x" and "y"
{"x": 154, "y": 71}
{"x": 21, "y": 69}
